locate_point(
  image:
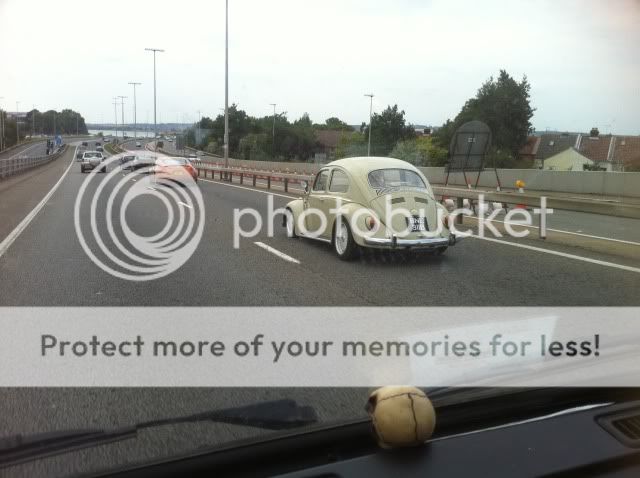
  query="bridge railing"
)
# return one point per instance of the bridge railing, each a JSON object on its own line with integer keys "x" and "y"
{"x": 9, "y": 167}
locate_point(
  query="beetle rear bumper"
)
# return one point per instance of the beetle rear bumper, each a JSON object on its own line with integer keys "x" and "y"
{"x": 421, "y": 243}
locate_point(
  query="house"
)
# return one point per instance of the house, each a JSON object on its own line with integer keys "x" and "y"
{"x": 530, "y": 149}
{"x": 626, "y": 153}
{"x": 328, "y": 140}
{"x": 568, "y": 160}
{"x": 552, "y": 144}
{"x": 609, "y": 152}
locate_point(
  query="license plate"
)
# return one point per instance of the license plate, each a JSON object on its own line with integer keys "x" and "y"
{"x": 417, "y": 224}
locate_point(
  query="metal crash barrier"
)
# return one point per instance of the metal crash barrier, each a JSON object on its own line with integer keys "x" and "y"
{"x": 10, "y": 167}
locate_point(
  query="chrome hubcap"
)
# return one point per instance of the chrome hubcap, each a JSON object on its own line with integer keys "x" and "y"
{"x": 342, "y": 238}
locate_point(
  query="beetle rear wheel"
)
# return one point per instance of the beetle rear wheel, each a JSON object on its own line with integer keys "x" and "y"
{"x": 343, "y": 242}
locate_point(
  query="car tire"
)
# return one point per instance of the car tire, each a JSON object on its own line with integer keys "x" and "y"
{"x": 290, "y": 223}
{"x": 343, "y": 243}
{"x": 103, "y": 170}
{"x": 82, "y": 169}
{"x": 439, "y": 251}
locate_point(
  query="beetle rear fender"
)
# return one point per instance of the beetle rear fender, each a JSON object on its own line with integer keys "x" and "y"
{"x": 348, "y": 212}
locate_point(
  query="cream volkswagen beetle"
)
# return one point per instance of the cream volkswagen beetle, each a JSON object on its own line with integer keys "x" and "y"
{"x": 372, "y": 202}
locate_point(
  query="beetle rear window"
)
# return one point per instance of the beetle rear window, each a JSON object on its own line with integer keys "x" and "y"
{"x": 395, "y": 177}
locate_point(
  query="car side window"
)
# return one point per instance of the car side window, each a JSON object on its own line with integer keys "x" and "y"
{"x": 320, "y": 184}
{"x": 339, "y": 182}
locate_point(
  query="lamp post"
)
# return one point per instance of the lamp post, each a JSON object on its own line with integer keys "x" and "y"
{"x": 155, "y": 124}
{"x": 1, "y": 126}
{"x": 273, "y": 133}
{"x": 135, "y": 119}
{"x": 17, "y": 123}
{"x": 115, "y": 114}
{"x": 226, "y": 85}
{"x": 370, "y": 95}
{"x": 122, "y": 107}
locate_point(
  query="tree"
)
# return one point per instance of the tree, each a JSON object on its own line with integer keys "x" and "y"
{"x": 254, "y": 147}
{"x": 420, "y": 151}
{"x": 351, "y": 145}
{"x": 388, "y": 128}
{"x": 334, "y": 124}
{"x": 504, "y": 105}
{"x": 407, "y": 150}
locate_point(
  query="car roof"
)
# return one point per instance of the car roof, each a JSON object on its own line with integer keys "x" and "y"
{"x": 366, "y": 164}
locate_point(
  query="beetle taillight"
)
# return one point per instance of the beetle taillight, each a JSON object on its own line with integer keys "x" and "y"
{"x": 370, "y": 222}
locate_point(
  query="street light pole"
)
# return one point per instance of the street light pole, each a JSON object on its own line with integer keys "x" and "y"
{"x": 77, "y": 116}
{"x": 226, "y": 85}
{"x": 115, "y": 114}
{"x": 370, "y": 95}
{"x": 135, "y": 116}
{"x": 1, "y": 126}
{"x": 17, "y": 123}
{"x": 122, "y": 107}
{"x": 273, "y": 133}
{"x": 33, "y": 121}
{"x": 155, "y": 124}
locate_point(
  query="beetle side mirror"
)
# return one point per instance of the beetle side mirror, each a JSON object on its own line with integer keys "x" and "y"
{"x": 305, "y": 186}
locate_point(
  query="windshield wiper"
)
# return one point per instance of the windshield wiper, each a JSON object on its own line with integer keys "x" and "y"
{"x": 270, "y": 415}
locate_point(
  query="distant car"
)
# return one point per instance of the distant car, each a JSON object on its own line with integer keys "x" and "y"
{"x": 98, "y": 143}
{"x": 92, "y": 160}
{"x": 170, "y": 140}
{"x": 176, "y": 170}
{"x": 99, "y": 148}
{"x": 106, "y": 140}
{"x": 85, "y": 144}
{"x": 135, "y": 162}
{"x": 386, "y": 204}
{"x": 138, "y": 144}
{"x": 79, "y": 155}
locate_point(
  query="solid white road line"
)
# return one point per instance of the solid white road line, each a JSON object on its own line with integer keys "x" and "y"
{"x": 276, "y": 252}
{"x": 558, "y": 253}
{"x": 185, "y": 204}
{"x": 578, "y": 233}
{"x": 248, "y": 189}
{"x": 13, "y": 235}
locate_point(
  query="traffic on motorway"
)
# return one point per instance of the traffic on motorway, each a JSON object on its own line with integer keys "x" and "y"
{"x": 320, "y": 239}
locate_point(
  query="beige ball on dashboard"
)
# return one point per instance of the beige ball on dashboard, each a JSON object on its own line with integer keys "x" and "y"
{"x": 401, "y": 416}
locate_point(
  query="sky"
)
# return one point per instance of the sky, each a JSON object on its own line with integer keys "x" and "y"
{"x": 582, "y": 57}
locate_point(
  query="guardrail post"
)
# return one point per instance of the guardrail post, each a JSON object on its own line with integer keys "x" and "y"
{"x": 254, "y": 180}
{"x": 268, "y": 182}
{"x": 286, "y": 185}
{"x": 220, "y": 175}
{"x": 241, "y": 178}
{"x": 459, "y": 205}
{"x": 542, "y": 219}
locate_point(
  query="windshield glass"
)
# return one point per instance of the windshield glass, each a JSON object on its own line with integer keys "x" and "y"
{"x": 393, "y": 178}
{"x": 306, "y": 202}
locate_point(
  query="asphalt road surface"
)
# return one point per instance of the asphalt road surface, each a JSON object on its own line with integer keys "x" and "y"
{"x": 46, "y": 266}
{"x": 26, "y": 150}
